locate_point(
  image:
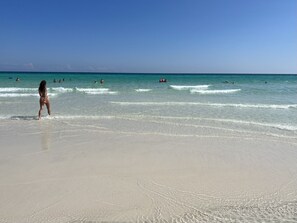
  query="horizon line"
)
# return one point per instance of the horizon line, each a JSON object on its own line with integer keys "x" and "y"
{"x": 154, "y": 73}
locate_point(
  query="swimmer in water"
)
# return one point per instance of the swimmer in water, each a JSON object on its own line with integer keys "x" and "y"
{"x": 44, "y": 100}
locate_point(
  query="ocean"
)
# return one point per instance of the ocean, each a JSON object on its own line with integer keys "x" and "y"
{"x": 234, "y": 102}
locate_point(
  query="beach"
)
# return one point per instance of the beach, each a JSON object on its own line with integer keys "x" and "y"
{"x": 133, "y": 150}
{"x": 57, "y": 172}
{"x": 148, "y": 111}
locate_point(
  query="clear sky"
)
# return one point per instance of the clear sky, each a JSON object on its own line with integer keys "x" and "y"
{"x": 196, "y": 36}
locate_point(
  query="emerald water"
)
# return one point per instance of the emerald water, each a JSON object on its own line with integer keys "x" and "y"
{"x": 245, "y": 102}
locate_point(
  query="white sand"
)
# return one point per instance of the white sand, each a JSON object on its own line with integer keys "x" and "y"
{"x": 55, "y": 171}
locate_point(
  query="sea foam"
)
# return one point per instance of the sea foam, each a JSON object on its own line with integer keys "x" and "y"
{"x": 272, "y": 125}
{"x": 14, "y": 89}
{"x": 87, "y": 90}
{"x": 13, "y": 95}
{"x": 101, "y": 92}
{"x": 266, "y": 106}
{"x": 95, "y": 91}
{"x": 188, "y": 87}
{"x": 227, "y": 91}
{"x": 9, "y": 95}
{"x": 142, "y": 90}
{"x": 62, "y": 89}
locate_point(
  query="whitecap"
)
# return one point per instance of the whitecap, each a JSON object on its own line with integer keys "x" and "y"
{"x": 101, "y": 92}
{"x": 62, "y": 89}
{"x": 142, "y": 90}
{"x": 88, "y": 90}
{"x": 188, "y": 87}
{"x": 14, "y": 89}
{"x": 14, "y": 95}
{"x": 227, "y": 91}
{"x": 8, "y": 95}
{"x": 95, "y": 91}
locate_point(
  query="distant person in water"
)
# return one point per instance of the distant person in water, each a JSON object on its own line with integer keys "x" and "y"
{"x": 101, "y": 81}
{"x": 44, "y": 100}
{"x": 17, "y": 79}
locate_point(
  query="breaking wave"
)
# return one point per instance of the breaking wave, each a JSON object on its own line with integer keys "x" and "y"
{"x": 142, "y": 90}
{"x": 227, "y": 91}
{"x": 14, "y": 89}
{"x": 94, "y": 91}
{"x": 188, "y": 87}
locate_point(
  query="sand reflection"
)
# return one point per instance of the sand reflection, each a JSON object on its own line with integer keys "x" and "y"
{"x": 45, "y": 132}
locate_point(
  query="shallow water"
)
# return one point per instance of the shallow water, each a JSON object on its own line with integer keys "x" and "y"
{"x": 248, "y": 102}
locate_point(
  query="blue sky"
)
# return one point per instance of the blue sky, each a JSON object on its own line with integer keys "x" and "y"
{"x": 195, "y": 36}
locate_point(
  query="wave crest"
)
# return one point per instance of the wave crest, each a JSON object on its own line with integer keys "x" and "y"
{"x": 143, "y": 90}
{"x": 94, "y": 91}
{"x": 227, "y": 91}
{"x": 13, "y": 95}
{"x": 188, "y": 87}
{"x": 61, "y": 89}
{"x": 14, "y": 89}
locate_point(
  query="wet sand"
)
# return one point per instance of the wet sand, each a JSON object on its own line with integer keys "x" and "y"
{"x": 106, "y": 171}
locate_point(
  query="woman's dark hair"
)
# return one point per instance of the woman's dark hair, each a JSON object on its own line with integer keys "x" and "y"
{"x": 42, "y": 86}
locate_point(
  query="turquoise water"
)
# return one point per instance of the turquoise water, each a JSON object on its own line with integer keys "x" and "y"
{"x": 254, "y": 102}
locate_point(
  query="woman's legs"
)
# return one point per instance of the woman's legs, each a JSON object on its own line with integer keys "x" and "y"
{"x": 48, "y": 106}
{"x": 40, "y": 109}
